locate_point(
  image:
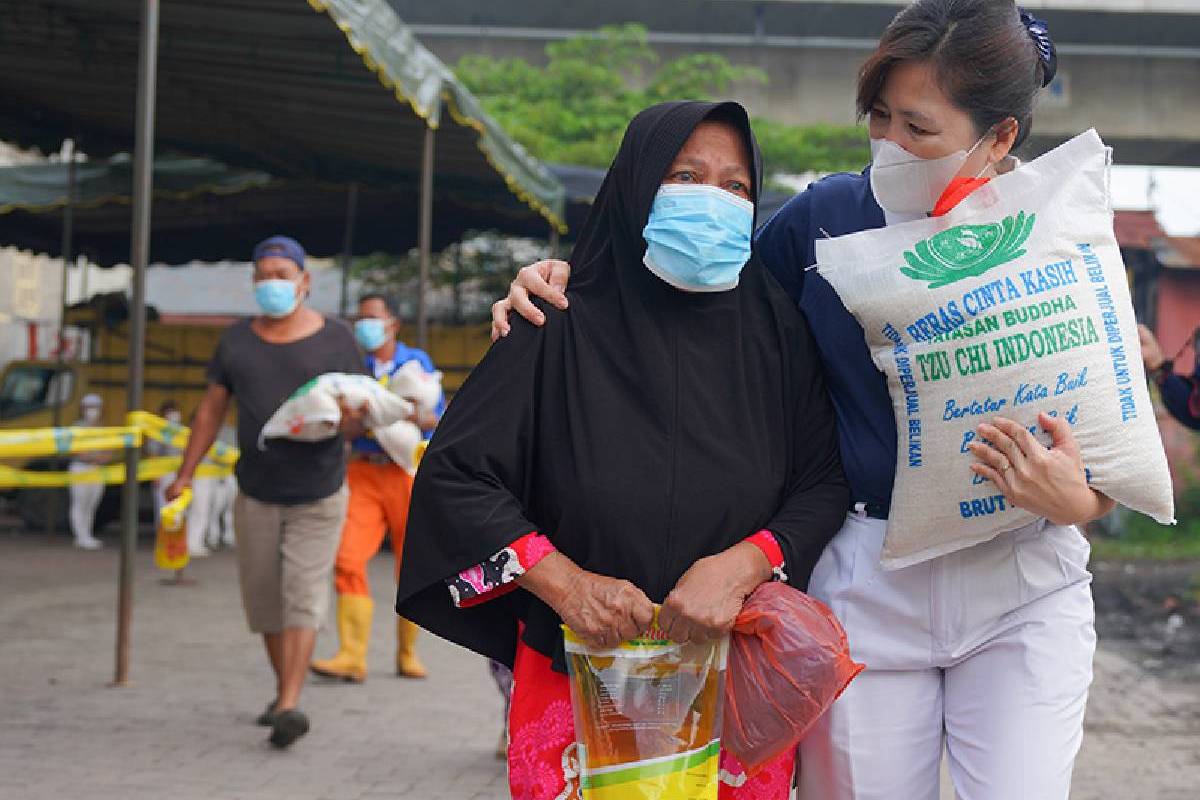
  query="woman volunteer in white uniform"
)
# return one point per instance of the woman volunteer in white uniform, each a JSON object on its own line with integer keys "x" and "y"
{"x": 987, "y": 651}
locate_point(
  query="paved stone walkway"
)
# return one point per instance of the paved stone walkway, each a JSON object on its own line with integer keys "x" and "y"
{"x": 184, "y": 730}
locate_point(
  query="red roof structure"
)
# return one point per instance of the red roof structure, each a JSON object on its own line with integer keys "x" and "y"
{"x": 1180, "y": 252}
{"x": 1137, "y": 229}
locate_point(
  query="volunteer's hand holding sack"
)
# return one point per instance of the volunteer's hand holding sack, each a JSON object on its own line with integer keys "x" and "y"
{"x": 669, "y": 440}
{"x": 1010, "y": 309}
{"x": 1049, "y": 480}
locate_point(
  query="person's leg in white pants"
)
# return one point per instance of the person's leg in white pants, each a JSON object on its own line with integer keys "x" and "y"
{"x": 881, "y": 740}
{"x": 199, "y": 515}
{"x": 1003, "y": 630}
{"x": 226, "y": 492}
{"x": 1014, "y": 710}
{"x": 85, "y": 499}
{"x": 160, "y": 495}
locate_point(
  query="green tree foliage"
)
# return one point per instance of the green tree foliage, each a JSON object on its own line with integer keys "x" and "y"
{"x": 573, "y": 109}
{"x": 465, "y": 277}
{"x": 816, "y": 148}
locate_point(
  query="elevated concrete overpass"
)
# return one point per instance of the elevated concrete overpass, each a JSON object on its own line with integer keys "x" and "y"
{"x": 1129, "y": 68}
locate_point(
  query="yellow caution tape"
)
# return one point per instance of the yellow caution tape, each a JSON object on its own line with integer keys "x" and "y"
{"x": 149, "y": 469}
{"x": 174, "y": 435}
{"x": 31, "y": 443}
{"x": 66, "y": 441}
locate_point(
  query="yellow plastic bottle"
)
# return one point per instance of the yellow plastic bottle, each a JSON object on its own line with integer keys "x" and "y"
{"x": 170, "y": 546}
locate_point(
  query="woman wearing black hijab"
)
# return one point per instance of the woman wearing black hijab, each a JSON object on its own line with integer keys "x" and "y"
{"x": 668, "y": 441}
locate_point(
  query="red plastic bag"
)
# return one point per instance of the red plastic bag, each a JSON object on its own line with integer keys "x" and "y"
{"x": 788, "y": 661}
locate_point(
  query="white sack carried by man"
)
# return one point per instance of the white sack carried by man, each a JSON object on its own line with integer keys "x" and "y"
{"x": 313, "y": 412}
{"x": 423, "y": 389}
{"x": 1014, "y": 303}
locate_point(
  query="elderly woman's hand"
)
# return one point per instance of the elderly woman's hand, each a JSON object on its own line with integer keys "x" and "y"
{"x": 1049, "y": 481}
{"x": 708, "y": 597}
{"x": 600, "y": 610}
{"x": 545, "y": 279}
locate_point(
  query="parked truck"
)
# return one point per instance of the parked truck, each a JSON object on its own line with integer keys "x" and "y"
{"x": 47, "y": 393}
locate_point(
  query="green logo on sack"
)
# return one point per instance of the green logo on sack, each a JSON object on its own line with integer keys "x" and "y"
{"x": 967, "y": 251}
{"x": 305, "y": 389}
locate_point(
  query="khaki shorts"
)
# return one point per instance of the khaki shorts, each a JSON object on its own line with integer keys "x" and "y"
{"x": 285, "y": 559}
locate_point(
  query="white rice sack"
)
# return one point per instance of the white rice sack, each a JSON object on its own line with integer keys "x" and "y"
{"x": 424, "y": 390}
{"x": 1014, "y": 303}
{"x": 399, "y": 440}
{"x": 416, "y": 385}
{"x": 312, "y": 413}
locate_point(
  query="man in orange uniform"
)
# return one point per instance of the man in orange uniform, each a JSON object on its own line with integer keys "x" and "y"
{"x": 379, "y": 495}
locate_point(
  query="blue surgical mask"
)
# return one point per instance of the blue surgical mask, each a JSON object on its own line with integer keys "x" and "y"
{"x": 276, "y": 297}
{"x": 370, "y": 333}
{"x": 698, "y": 237}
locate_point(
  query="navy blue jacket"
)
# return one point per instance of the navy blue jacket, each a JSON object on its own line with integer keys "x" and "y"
{"x": 1176, "y": 390}
{"x": 837, "y": 205}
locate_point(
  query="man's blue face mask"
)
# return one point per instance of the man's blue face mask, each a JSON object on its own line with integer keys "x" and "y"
{"x": 370, "y": 333}
{"x": 276, "y": 296}
{"x": 698, "y": 237}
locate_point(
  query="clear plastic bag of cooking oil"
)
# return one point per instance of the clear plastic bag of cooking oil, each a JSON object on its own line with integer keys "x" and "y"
{"x": 648, "y": 717}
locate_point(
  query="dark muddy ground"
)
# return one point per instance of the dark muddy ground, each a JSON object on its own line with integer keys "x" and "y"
{"x": 1150, "y": 611}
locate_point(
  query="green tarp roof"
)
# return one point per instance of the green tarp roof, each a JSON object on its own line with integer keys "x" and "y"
{"x": 208, "y": 211}
{"x": 330, "y": 91}
{"x": 43, "y": 187}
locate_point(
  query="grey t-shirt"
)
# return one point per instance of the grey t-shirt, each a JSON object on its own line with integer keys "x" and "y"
{"x": 260, "y": 376}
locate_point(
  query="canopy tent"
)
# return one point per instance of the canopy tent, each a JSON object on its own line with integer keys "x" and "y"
{"x": 263, "y": 84}
{"x": 208, "y": 211}
{"x": 266, "y": 84}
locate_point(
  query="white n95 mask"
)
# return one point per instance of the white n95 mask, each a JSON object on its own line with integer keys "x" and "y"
{"x": 906, "y": 184}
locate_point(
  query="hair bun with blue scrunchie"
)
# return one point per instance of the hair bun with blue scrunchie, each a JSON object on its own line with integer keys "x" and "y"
{"x": 1047, "y": 54}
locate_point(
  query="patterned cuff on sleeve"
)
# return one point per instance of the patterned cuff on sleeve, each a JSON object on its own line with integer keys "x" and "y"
{"x": 765, "y": 541}
{"x": 494, "y": 577}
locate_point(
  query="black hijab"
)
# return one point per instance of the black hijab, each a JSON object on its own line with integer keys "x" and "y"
{"x": 641, "y": 430}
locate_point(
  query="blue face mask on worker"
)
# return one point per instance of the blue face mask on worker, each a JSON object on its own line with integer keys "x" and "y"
{"x": 698, "y": 237}
{"x": 370, "y": 333}
{"x": 275, "y": 296}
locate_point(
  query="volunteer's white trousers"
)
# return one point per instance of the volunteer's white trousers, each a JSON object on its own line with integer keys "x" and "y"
{"x": 85, "y": 499}
{"x": 220, "y": 532}
{"x": 986, "y": 652}
{"x": 160, "y": 494}
{"x": 200, "y": 514}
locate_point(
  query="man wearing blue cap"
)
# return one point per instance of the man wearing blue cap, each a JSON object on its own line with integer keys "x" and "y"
{"x": 291, "y": 500}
